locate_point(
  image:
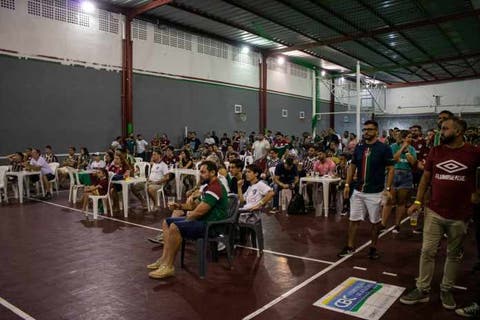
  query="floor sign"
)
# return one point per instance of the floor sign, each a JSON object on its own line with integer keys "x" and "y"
{"x": 361, "y": 298}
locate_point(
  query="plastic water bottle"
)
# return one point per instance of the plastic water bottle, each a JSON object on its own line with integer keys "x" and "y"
{"x": 414, "y": 219}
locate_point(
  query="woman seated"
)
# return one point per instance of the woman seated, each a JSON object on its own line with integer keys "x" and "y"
{"x": 121, "y": 170}
{"x": 99, "y": 188}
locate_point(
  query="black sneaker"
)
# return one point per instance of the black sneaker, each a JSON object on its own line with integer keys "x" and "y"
{"x": 415, "y": 296}
{"x": 48, "y": 196}
{"x": 158, "y": 239}
{"x": 347, "y": 251}
{"x": 471, "y": 311}
{"x": 373, "y": 253}
{"x": 448, "y": 302}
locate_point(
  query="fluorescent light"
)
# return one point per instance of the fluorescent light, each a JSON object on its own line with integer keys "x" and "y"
{"x": 88, "y": 6}
{"x": 280, "y": 60}
{"x": 323, "y": 73}
{"x": 245, "y": 49}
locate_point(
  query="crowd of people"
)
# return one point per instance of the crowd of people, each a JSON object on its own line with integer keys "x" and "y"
{"x": 379, "y": 174}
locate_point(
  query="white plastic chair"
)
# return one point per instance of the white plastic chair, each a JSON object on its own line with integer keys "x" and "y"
{"x": 138, "y": 159}
{"x": 248, "y": 160}
{"x": 3, "y": 182}
{"x": 143, "y": 169}
{"x": 54, "y": 166}
{"x": 75, "y": 185}
{"x": 105, "y": 199}
{"x": 162, "y": 193}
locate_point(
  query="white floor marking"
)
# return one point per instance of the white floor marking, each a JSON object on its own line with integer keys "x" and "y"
{"x": 360, "y": 268}
{"x": 389, "y": 274}
{"x": 102, "y": 216}
{"x": 15, "y": 310}
{"x": 314, "y": 277}
{"x": 460, "y": 288}
{"x": 286, "y": 255}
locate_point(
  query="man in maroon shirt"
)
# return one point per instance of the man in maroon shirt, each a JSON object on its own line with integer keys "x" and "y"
{"x": 450, "y": 168}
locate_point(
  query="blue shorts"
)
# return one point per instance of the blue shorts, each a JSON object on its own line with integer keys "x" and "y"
{"x": 403, "y": 179}
{"x": 191, "y": 229}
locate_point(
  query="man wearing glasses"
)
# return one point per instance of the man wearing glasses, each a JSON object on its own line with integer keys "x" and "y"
{"x": 369, "y": 161}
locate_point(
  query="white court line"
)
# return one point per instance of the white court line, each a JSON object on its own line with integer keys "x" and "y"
{"x": 389, "y": 274}
{"x": 360, "y": 268}
{"x": 460, "y": 288}
{"x": 15, "y": 310}
{"x": 312, "y": 278}
{"x": 287, "y": 255}
{"x": 152, "y": 228}
{"x": 103, "y": 216}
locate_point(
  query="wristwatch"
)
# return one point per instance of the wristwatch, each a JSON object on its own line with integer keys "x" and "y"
{"x": 387, "y": 188}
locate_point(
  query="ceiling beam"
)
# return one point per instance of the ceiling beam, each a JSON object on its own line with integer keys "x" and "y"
{"x": 445, "y": 35}
{"x": 292, "y": 28}
{"x": 420, "y": 83}
{"x": 369, "y": 7}
{"x": 136, "y": 11}
{"x": 383, "y": 30}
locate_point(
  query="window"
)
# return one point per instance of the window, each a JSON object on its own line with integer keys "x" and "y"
{"x": 60, "y": 10}
{"x": 8, "y": 4}
{"x": 212, "y": 47}
{"x": 298, "y": 71}
{"x": 139, "y": 29}
{"x": 107, "y": 21}
{"x": 247, "y": 58}
{"x": 172, "y": 37}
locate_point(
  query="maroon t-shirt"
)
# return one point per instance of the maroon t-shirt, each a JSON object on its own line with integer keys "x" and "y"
{"x": 453, "y": 180}
{"x": 421, "y": 148}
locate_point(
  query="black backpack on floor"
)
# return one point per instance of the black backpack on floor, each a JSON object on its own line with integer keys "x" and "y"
{"x": 296, "y": 205}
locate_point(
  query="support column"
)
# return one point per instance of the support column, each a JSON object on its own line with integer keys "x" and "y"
{"x": 127, "y": 77}
{"x": 332, "y": 103}
{"x": 359, "y": 132}
{"x": 262, "y": 103}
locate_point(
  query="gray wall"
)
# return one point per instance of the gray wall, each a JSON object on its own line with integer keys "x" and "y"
{"x": 48, "y": 103}
{"x": 163, "y": 105}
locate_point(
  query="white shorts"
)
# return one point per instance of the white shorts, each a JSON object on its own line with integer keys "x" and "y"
{"x": 362, "y": 204}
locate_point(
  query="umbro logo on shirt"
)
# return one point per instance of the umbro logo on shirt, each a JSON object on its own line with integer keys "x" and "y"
{"x": 451, "y": 166}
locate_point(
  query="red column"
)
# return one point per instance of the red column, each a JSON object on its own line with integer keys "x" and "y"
{"x": 127, "y": 77}
{"x": 332, "y": 104}
{"x": 262, "y": 111}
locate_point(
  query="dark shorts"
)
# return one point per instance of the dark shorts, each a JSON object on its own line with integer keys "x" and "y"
{"x": 192, "y": 229}
{"x": 403, "y": 179}
{"x": 36, "y": 178}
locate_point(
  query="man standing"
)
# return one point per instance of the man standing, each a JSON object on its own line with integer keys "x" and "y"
{"x": 371, "y": 158}
{"x": 212, "y": 207}
{"x": 260, "y": 147}
{"x": 450, "y": 169}
{"x": 141, "y": 146}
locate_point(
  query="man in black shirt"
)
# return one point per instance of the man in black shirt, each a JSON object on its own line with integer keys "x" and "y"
{"x": 286, "y": 177}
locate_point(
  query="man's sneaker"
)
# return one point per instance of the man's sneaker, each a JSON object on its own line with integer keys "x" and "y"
{"x": 418, "y": 231}
{"x": 155, "y": 265}
{"x": 396, "y": 229}
{"x": 415, "y": 296}
{"x": 373, "y": 253}
{"x": 470, "y": 311}
{"x": 347, "y": 251}
{"x": 448, "y": 302}
{"x": 344, "y": 212}
{"x": 48, "y": 196}
{"x": 162, "y": 272}
{"x": 382, "y": 229}
{"x": 220, "y": 246}
{"x": 158, "y": 239}
{"x": 274, "y": 210}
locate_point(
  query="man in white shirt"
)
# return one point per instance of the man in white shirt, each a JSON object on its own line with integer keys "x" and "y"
{"x": 141, "y": 146}
{"x": 157, "y": 178}
{"x": 260, "y": 147}
{"x": 117, "y": 143}
{"x": 38, "y": 163}
{"x": 257, "y": 194}
{"x": 97, "y": 162}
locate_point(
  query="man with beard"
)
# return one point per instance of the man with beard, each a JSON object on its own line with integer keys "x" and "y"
{"x": 450, "y": 169}
{"x": 442, "y": 116}
{"x": 372, "y": 158}
{"x": 212, "y": 207}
